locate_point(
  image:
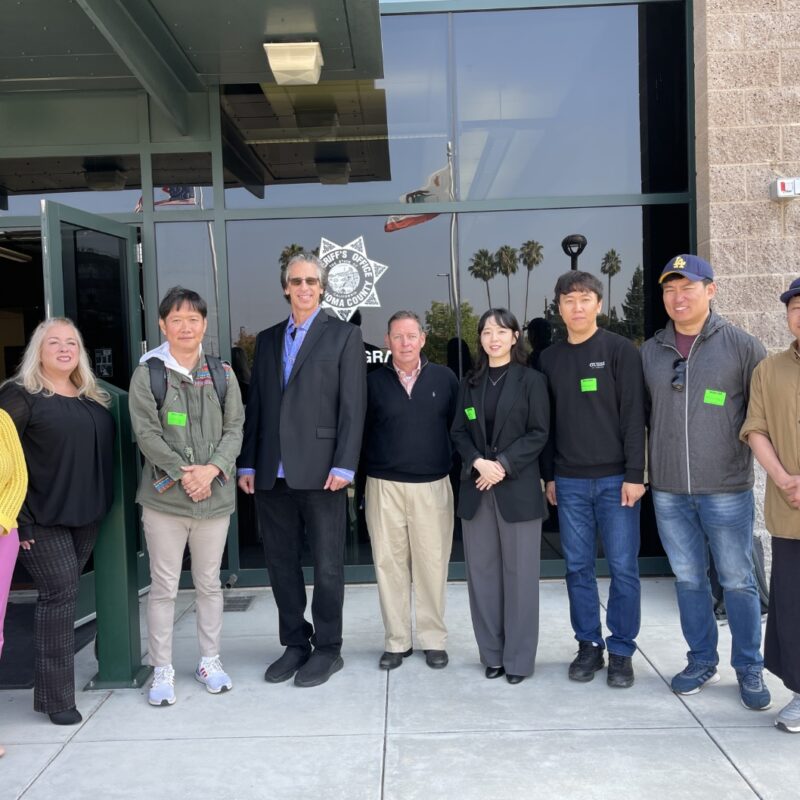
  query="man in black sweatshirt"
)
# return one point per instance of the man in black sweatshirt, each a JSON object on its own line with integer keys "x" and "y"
{"x": 593, "y": 469}
{"x": 409, "y": 502}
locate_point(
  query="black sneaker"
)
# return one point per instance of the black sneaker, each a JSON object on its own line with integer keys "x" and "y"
{"x": 586, "y": 663}
{"x": 620, "y": 671}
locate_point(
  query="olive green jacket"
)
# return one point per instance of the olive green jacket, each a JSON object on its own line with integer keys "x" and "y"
{"x": 190, "y": 428}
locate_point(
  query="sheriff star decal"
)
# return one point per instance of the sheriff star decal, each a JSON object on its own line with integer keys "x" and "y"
{"x": 351, "y": 277}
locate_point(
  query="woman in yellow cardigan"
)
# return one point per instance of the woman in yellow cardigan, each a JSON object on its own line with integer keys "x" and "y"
{"x": 13, "y": 486}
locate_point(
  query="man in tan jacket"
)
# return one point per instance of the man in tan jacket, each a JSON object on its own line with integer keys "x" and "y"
{"x": 771, "y": 431}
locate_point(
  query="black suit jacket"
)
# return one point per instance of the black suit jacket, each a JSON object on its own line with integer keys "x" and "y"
{"x": 521, "y": 426}
{"x": 316, "y": 421}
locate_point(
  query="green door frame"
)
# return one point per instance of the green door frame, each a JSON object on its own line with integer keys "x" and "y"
{"x": 53, "y": 217}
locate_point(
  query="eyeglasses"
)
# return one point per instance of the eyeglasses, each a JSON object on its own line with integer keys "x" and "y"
{"x": 679, "y": 378}
{"x": 306, "y": 281}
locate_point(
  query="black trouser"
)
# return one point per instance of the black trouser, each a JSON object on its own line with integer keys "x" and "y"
{"x": 782, "y": 638}
{"x": 284, "y": 516}
{"x": 55, "y": 562}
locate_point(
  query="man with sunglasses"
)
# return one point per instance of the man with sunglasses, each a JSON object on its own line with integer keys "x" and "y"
{"x": 697, "y": 371}
{"x": 302, "y": 438}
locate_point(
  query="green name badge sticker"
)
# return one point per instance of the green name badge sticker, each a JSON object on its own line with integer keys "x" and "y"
{"x": 176, "y": 418}
{"x": 713, "y": 397}
{"x": 588, "y": 384}
{"x": 470, "y": 412}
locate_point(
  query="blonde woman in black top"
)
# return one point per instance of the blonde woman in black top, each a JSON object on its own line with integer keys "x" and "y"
{"x": 67, "y": 436}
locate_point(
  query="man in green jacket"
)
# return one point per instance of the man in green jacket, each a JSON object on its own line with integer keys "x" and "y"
{"x": 186, "y": 412}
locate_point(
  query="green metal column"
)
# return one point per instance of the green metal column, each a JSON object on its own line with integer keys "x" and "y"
{"x": 115, "y": 567}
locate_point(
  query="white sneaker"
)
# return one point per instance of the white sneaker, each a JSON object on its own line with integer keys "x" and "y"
{"x": 162, "y": 689}
{"x": 788, "y": 718}
{"x": 210, "y": 672}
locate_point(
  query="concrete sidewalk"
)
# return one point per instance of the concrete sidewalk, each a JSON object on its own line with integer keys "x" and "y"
{"x": 410, "y": 733}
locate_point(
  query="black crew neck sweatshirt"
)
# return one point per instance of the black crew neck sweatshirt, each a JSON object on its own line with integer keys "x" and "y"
{"x": 597, "y": 406}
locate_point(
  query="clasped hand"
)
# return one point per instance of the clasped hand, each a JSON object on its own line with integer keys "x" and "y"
{"x": 490, "y": 473}
{"x": 197, "y": 479}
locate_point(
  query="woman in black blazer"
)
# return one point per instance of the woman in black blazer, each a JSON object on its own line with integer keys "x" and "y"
{"x": 501, "y": 426}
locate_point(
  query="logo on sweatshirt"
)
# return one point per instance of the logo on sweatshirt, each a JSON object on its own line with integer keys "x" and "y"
{"x": 351, "y": 277}
{"x": 597, "y": 364}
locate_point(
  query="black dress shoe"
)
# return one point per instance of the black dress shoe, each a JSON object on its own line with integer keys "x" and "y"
{"x": 514, "y": 678}
{"x": 494, "y": 672}
{"x": 436, "y": 659}
{"x": 292, "y": 659}
{"x": 69, "y": 717}
{"x": 318, "y": 669}
{"x": 393, "y": 660}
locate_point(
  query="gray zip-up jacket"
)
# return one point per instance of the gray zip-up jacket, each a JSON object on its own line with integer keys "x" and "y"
{"x": 694, "y": 445}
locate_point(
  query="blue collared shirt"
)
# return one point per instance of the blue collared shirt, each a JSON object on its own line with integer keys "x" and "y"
{"x": 293, "y": 340}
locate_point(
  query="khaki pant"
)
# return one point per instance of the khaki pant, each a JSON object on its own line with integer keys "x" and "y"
{"x": 411, "y": 530}
{"x": 167, "y": 536}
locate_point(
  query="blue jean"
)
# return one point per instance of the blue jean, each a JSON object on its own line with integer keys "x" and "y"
{"x": 586, "y": 507}
{"x": 690, "y": 525}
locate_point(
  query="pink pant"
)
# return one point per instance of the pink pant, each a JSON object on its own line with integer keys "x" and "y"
{"x": 9, "y": 547}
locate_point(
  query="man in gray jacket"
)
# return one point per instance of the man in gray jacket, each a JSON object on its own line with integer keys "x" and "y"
{"x": 697, "y": 371}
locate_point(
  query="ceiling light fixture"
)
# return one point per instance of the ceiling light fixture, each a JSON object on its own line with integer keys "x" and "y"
{"x": 104, "y": 180}
{"x": 294, "y": 63}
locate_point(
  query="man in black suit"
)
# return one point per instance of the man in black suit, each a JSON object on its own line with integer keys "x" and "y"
{"x": 302, "y": 437}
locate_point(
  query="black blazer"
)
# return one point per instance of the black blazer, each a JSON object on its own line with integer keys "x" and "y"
{"x": 520, "y": 432}
{"x": 316, "y": 422}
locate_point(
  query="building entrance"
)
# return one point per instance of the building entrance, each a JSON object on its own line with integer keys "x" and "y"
{"x": 84, "y": 267}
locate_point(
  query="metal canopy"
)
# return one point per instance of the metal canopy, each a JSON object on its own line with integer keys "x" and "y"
{"x": 172, "y": 48}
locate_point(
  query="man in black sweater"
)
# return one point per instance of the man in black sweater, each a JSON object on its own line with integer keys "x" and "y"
{"x": 409, "y": 502}
{"x": 593, "y": 469}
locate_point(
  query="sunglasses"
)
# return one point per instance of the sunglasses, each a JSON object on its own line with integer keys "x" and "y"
{"x": 306, "y": 281}
{"x": 679, "y": 378}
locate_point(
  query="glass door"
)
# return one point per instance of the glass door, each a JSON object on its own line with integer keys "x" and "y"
{"x": 91, "y": 275}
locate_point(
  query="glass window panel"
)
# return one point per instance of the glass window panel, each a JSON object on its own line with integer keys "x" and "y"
{"x": 417, "y": 260}
{"x": 182, "y": 181}
{"x": 186, "y": 256}
{"x": 95, "y": 267}
{"x": 99, "y": 184}
{"x": 550, "y": 101}
{"x": 606, "y": 229}
{"x": 417, "y": 275}
{"x": 644, "y": 238}
{"x": 391, "y": 134}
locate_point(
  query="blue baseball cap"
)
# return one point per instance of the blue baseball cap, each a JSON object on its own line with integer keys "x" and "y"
{"x": 688, "y": 266}
{"x": 792, "y": 291}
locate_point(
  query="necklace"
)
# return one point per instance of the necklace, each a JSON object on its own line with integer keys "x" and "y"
{"x": 495, "y": 382}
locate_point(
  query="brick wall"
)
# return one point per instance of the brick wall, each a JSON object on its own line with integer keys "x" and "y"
{"x": 747, "y": 100}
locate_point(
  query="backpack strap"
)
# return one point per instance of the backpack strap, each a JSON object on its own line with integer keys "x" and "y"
{"x": 158, "y": 380}
{"x": 216, "y": 368}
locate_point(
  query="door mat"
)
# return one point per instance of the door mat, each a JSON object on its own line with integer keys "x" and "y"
{"x": 16, "y": 663}
{"x": 237, "y": 602}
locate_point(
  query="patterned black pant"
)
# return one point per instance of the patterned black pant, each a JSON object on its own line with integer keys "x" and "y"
{"x": 55, "y": 562}
{"x": 782, "y": 639}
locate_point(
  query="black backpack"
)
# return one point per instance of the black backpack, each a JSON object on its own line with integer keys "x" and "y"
{"x": 159, "y": 381}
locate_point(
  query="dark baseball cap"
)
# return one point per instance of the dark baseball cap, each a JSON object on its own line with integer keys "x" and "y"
{"x": 688, "y": 266}
{"x": 792, "y": 291}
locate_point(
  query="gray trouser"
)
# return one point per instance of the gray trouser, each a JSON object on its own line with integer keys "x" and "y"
{"x": 502, "y": 560}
